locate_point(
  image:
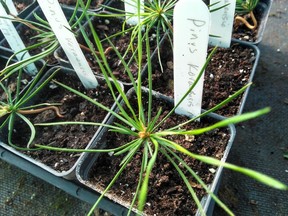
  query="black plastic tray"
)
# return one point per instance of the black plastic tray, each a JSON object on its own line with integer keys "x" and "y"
{"x": 71, "y": 187}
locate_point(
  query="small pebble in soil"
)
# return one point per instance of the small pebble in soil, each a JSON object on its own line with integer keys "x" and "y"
{"x": 212, "y": 170}
{"x": 252, "y": 59}
{"x": 52, "y": 86}
{"x": 83, "y": 129}
{"x": 189, "y": 138}
{"x": 170, "y": 65}
{"x": 253, "y": 202}
{"x": 32, "y": 196}
{"x": 24, "y": 81}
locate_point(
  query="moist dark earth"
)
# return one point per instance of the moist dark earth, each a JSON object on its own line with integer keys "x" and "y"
{"x": 228, "y": 71}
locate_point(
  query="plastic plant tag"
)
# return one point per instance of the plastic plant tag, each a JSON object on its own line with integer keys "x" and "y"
{"x": 222, "y": 22}
{"x": 14, "y": 40}
{"x": 191, "y": 34}
{"x": 62, "y": 30}
{"x": 131, "y": 6}
{"x": 11, "y": 7}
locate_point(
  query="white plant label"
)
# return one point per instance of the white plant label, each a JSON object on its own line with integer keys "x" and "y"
{"x": 191, "y": 34}
{"x": 131, "y": 6}
{"x": 222, "y": 23}
{"x": 11, "y": 7}
{"x": 14, "y": 40}
{"x": 58, "y": 22}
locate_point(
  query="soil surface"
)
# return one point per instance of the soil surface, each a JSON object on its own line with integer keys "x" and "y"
{"x": 228, "y": 71}
{"x": 73, "y": 108}
{"x": 167, "y": 192}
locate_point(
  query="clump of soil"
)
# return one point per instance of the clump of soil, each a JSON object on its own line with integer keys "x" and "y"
{"x": 20, "y": 5}
{"x": 228, "y": 71}
{"x": 73, "y": 108}
{"x": 167, "y": 194}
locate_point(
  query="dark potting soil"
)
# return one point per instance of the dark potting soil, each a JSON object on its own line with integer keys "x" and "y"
{"x": 228, "y": 71}
{"x": 167, "y": 194}
{"x": 74, "y": 108}
{"x": 109, "y": 27}
{"x": 94, "y": 3}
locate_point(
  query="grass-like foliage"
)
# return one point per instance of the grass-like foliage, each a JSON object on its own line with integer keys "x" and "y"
{"x": 149, "y": 136}
{"x": 17, "y": 105}
{"x": 245, "y": 6}
{"x": 157, "y": 19}
{"x": 46, "y": 39}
